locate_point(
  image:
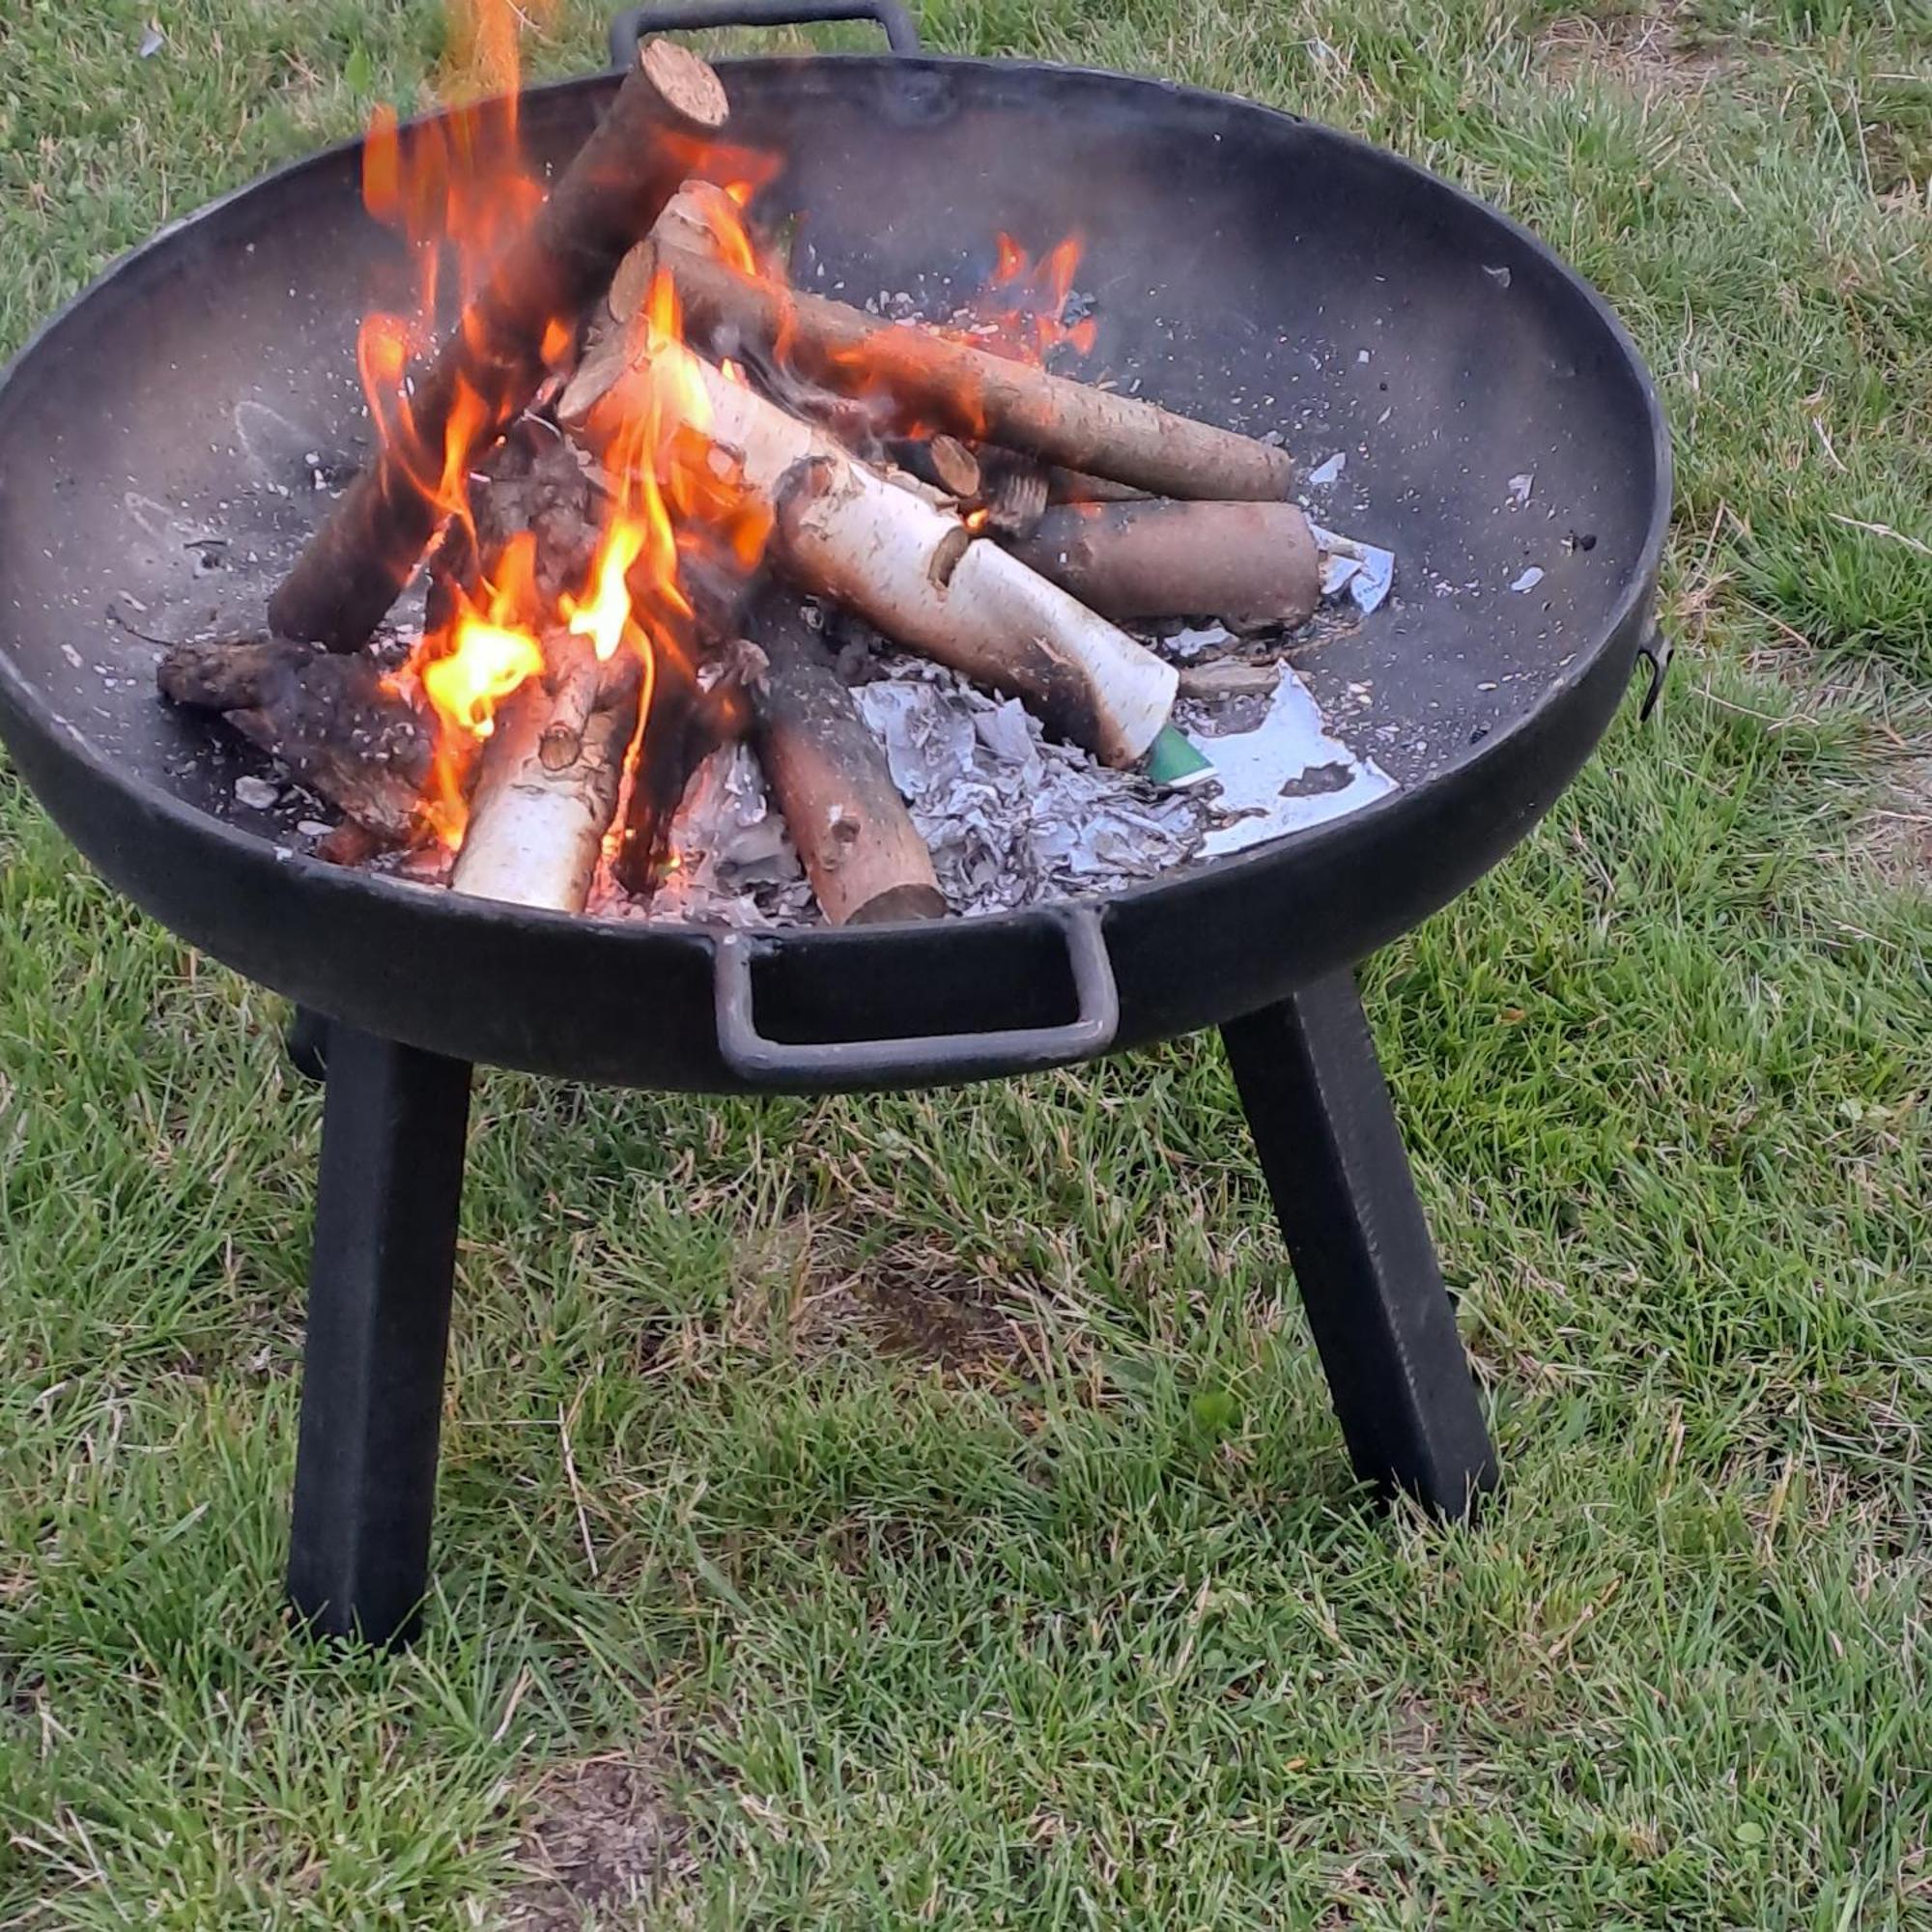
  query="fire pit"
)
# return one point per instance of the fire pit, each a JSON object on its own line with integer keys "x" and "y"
{"x": 169, "y": 443}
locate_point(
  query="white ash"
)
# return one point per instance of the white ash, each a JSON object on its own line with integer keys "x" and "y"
{"x": 733, "y": 861}
{"x": 1010, "y": 816}
{"x": 1193, "y": 642}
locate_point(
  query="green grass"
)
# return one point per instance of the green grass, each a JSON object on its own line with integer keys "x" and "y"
{"x": 963, "y": 1536}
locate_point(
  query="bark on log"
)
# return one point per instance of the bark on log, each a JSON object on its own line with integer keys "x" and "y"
{"x": 536, "y": 827}
{"x": 1079, "y": 486}
{"x": 1248, "y": 564}
{"x": 334, "y": 725}
{"x": 358, "y": 562}
{"x": 861, "y": 849}
{"x": 699, "y": 217}
{"x": 972, "y": 393}
{"x": 910, "y": 568}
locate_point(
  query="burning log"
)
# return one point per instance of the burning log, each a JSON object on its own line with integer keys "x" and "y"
{"x": 701, "y": 216}
{"x": 334, "y": 725}
{"x": 492, "y": 364}
{"x": 674, "y": 745}
{"x": 972, "y": 393}
{"x": 547, "y": 779}
{"x": 861, "y": 849}
{"x": 1248, "y": 564}
{"x": 534, "y": 481}
{"x": 908, "y": 566}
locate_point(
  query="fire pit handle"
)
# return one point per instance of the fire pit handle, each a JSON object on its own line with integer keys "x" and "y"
{"x": 631, "y": 25}
{"x": 1655, "y": 651}
{"x": 919, "y": 1059}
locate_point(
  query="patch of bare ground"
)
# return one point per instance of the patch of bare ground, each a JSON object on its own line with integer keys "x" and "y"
{"x": 1650, "y": 53}
{"x": 600, "y": 1842}
{"x": 1898, "y": 837}
{"x": 1893, "y": 839}
{"x": 810, "y": 1286}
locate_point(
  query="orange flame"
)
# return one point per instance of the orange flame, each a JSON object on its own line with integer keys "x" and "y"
{"x": 455, "y": 191}
{"x": 1022, "y": 314}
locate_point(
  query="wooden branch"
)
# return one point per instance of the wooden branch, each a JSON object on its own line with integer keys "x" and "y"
{"x": 334, "y": 725}
{"x": 971, "y": 394}
{"x": 908, "y": 566}
{"x": 358, "y": 562}
{"x": 1248, "y": 564}
{"x": 536, "y": 826}
{"x": 1228, "y": 677}
{"x": 861, "y": 851}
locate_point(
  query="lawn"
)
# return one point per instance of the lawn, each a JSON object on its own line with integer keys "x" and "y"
{"x": 862, "y": 1513}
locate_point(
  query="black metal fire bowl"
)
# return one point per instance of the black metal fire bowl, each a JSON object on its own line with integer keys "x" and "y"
{"x": 159, "y": 442}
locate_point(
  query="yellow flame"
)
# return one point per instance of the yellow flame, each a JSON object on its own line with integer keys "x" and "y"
{"x": 489, "y": 662}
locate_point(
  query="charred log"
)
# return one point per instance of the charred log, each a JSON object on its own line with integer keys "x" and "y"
{"x": 358, "y": 562}
{"x": 336, "y": 725}
{"x": 535, "y": 480}
{"x": 699, "y": 702}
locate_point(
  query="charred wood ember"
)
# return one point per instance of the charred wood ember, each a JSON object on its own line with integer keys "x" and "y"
{"x": 337, "y": 726}
{"x": 534, "y": 480}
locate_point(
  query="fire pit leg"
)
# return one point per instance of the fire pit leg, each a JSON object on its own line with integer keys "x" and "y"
{"x": 1316, "y": 1100}
{"x": 378, "y": 1330}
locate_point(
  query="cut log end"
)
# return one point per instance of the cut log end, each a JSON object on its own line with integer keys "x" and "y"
{"x": 865, "y": 857}
{"x": 900, "y": 903}
{"x": 687, "y": 83}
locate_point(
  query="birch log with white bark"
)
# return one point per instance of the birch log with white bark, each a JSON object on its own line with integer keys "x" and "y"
{"x": 909, "y": 568}
{"x": 538, "y": 824}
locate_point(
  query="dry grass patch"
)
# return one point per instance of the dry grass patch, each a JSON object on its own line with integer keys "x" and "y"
{"x": 1649, "y": 54}
{"x": 811, "y": 1288}
{"x": 601, "y": 1842}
